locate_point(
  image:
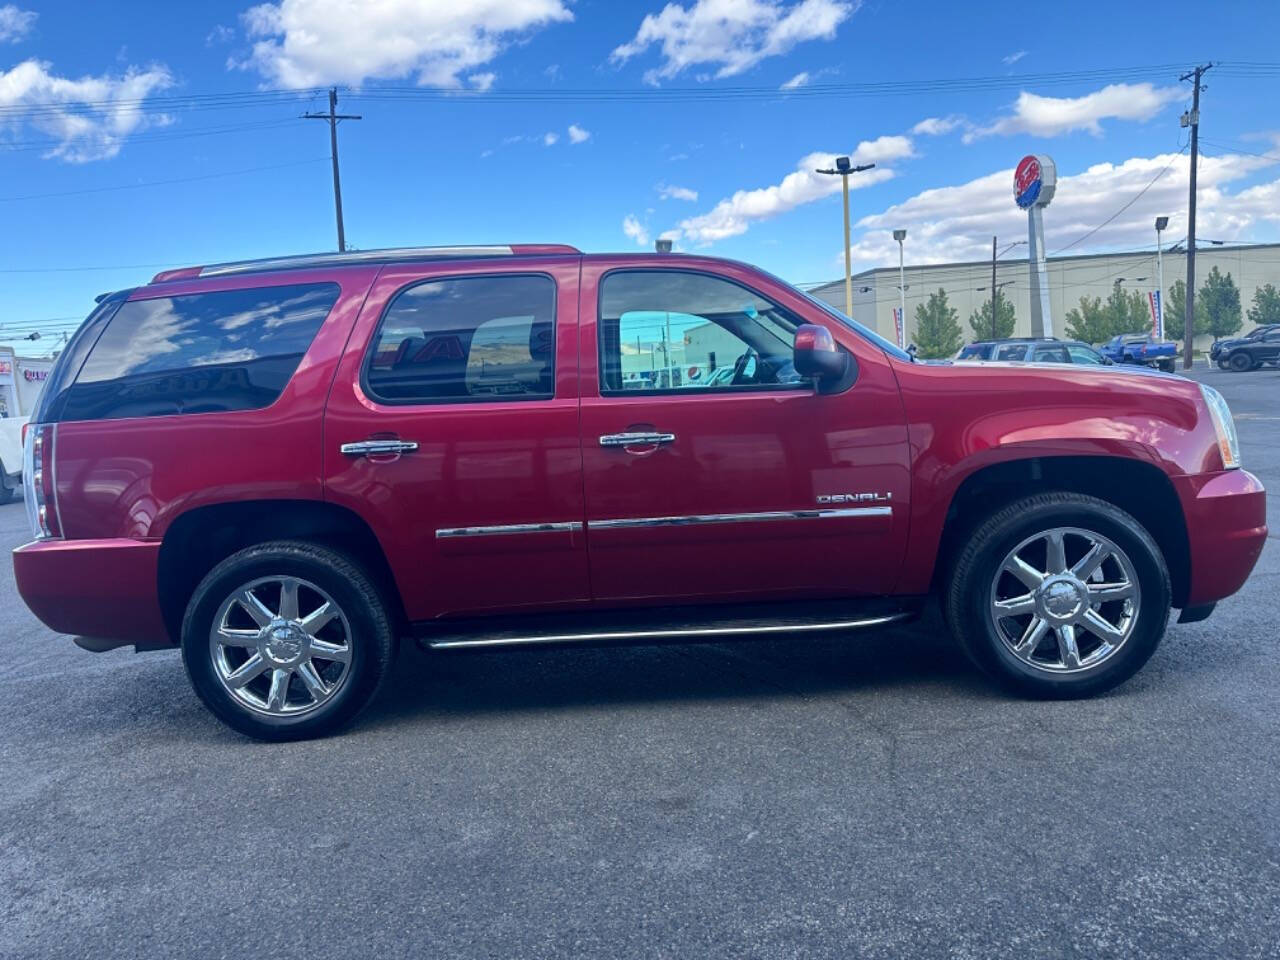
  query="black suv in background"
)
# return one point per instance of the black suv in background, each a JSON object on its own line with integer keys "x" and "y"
{"x": 1033, "y": 350}
{"x": 1259, "y": 346}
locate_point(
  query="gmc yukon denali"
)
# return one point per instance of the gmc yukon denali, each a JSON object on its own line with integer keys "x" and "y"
{"x": 285, "y": 467}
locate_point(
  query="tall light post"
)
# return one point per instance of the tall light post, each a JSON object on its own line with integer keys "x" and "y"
{"x": 901, "y": 235}
{"x": 844, "y": 168}
{"x": 1161, "y": 223}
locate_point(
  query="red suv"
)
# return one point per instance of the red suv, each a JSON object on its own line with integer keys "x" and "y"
{"x": 285, "y": 466}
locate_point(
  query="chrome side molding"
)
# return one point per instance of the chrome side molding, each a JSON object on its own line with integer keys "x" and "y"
{"x": 448, "y": 533}
{"x": 700, "y": 518}
{"x": 693, "y": 633}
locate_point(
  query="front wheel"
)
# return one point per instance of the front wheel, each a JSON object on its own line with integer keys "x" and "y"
{"x": 8, "y": 488}
{"x": 286, "y": 640}
{"x": 1059, "y": 595}
{"x": 1240, "y": 362}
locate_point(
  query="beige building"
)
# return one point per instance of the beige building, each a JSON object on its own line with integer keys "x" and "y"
{"x": 875, "y": 292}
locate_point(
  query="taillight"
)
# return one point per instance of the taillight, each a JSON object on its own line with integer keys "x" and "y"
{"x": 38, "y": 481}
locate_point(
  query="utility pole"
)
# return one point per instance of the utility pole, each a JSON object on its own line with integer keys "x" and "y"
{"x": 900, "y": 328}
{"x": 333, "y": 117}
{"x": 844, "y": 169}
{"x": 995, "y": 291}
{"x": 1192, "y": 120}
{"x": 1161, "y": 223}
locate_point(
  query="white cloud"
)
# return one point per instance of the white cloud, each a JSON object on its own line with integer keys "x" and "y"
{"x": 734, "y": 215}
{"x": 1053, "y": 116}
{"x": 1013, "y": 58}
{"x": 549, "y": 139}
{"x": 482, "y": 81}
{"x": 669, "y": 192}
{"x": 799, "y": 80}
{"x": 956, "y": 223}
{"x": 937, "y": 126}
{"x": 89, "y": 117}
{"x": 636, "y": 230}
{"x": 577, "y": 134}
{"x": 306, "y": 43}
{"x": 218, "y": 35}
{"x": 15, "y": 23}
{"x": 731, "y": 35}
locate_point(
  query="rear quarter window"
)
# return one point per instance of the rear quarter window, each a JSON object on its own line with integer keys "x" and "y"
{"x": 199, "y": 353}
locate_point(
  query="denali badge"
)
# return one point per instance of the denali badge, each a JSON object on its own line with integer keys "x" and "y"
{"x": 854, "y": 497}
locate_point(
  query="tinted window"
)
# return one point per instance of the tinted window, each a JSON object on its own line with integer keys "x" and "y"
{"x": 469, "y": 338}
{"x": 670, "y": 330}
{"x": 1012, "y": 351}
{"x": 974, "y": 351}
{"x": 1054, "y": 354}
{"x": 1082, "y": 354}
{"x": 202, "y": 353}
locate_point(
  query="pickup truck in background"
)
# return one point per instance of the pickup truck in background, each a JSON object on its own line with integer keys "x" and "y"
{"x": 1141, "y": 349}
{"x": 21, "y": 381}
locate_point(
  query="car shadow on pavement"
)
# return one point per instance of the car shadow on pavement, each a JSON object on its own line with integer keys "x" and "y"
{"x": 457, "y": 683}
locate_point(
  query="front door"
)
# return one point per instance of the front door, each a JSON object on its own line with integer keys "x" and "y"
{"x": 712, "y": 471}
{"x": 452, "y": 429}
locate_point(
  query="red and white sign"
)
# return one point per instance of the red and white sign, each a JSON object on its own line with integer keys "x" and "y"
{"x": 33, "y": 376}
{"x": 6, "y": 367}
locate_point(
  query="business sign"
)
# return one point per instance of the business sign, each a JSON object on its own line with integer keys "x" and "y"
{"x": 898, "y": 326}
{"x": 1157, "y": 313}
{"x": 6, "y": 368}
{"x": 32, "y": 376}
{"x": 1034, "y": 181}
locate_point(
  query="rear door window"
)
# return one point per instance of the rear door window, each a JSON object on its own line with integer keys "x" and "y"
{"x": 466, "y": 339}
{"x": 199, "y": 353}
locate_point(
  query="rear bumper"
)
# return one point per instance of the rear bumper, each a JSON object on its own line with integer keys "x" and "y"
{"x": 104, "y": 589}
{"x": 1226, "y": 516}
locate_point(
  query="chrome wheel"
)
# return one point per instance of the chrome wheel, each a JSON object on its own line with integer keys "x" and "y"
{"x": 281, "y": 646}
{"x": 1065, "y": 600}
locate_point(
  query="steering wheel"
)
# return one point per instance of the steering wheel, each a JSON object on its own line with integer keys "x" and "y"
{"x": 740, "y": 375}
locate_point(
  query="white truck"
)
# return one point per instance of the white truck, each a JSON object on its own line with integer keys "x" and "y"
{"x": 21, "y": 381}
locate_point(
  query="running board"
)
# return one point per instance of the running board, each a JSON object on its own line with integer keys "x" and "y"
{"x": 673, "y": 626}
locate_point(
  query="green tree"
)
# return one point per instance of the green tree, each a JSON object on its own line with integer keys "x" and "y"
{"x": 1266, "y": 305}
{"x": 1175, "y": 311}
{"x": 980, "y": 320}
{"x": 937, "y": 327}
{"x": 1221, "y": 299}
{"x": 1126, "y": 312}
{"x": 1088, "y": 322}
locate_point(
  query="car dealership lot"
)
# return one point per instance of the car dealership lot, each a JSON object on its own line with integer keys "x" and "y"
{"x": 868, "y": 795}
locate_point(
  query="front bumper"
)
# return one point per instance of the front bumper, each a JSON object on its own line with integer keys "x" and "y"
{"x": 1226, "y": 514}
{"x": 104, "y": 589}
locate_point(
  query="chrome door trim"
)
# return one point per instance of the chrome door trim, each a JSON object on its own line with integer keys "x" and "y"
{"x": 653, "y": 634}
{"x": 635, "y": 439}
{"x": 448, "y": 533}
{"x": 366, "y": 448}
{"x": 680, "y": 521}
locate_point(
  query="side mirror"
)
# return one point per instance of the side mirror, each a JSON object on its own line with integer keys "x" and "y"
{"x": 816, "y": 355}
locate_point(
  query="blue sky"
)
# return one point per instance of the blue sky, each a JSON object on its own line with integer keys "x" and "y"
{"x": 88, "y": 110}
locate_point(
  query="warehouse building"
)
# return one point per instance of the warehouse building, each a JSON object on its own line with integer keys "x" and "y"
{"x": 968, "y": 285}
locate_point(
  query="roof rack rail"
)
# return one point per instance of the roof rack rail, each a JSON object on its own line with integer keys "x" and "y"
{"x": 386, "y": 255}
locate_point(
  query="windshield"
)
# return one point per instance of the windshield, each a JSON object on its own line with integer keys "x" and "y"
{"x": 887, "y": 346}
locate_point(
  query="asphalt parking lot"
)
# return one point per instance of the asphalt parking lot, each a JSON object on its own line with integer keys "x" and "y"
{"x": 864, "y": 796}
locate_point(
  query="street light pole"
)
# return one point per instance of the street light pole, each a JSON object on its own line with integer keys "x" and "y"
{"x": 843, "y": 168}
{"x": 1161, "y": 223}
{"x": 901, "y": 235}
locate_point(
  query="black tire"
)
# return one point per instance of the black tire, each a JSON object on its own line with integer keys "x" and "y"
{"x": 8, "y": 488}
{"x": 1222, "y": 364}
{"x": 967, "y": 596}
{"x": 1166, "y": 365}
{"x": 1240, "y": 362}
{"x": 369, "y": 648}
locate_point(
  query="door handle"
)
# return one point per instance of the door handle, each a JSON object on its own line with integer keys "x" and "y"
{"x": 369, "y": 448}
{"x": 636, "y": 439}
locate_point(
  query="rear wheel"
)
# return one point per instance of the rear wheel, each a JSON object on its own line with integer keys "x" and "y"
{"x": 1166, "y": 365}
{"x": 8, "y": 487}
{"x": 287, "y": 640}
{"x": 1240, "y": 362}
{"x": 1059, "y": 595}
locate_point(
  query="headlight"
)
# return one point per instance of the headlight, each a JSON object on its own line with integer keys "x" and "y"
{"x": 1224, "y": 426}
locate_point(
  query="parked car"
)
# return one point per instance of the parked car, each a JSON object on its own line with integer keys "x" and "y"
{"x": 286, "y": 466}
{"x": 1032, "y": 350}
{"x": 1259, "y": 346}
{"x": 1142, "y": 349}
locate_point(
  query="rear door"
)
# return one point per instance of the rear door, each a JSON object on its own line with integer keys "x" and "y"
{"x": 713, "y": 472}
{"x": 452, "y": 429}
